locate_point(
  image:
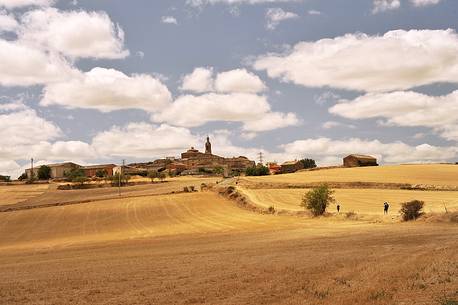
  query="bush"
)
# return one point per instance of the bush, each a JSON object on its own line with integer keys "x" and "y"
{"x": 411, "y": 210}
{"x": 101, "y": 173}
{"x": 308, "y": 163}
{"x": 186, "y": 189}
{"x": 22, "y": 177}
{"x": 259, "y": 170}
{"x": 44, "y": 172}
{"x": 5, "y": 178}
{"x": 75, "y": 175}
{"x": 318, "y": 199}
{"x": 271, "y": 210}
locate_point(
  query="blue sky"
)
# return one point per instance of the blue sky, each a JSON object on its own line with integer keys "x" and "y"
{"x": 102, "y": 81}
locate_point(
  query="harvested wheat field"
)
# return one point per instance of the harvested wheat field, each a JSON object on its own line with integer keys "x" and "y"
{"x": 416, "y": 174}
{"x": 199, "y": 248}
{"x": 360, "y": 201}
{"x": 12, "y": 194}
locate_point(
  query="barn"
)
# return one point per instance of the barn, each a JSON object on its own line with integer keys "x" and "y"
{"x": 291, "y": 166}
{"x": 359, "y": 161}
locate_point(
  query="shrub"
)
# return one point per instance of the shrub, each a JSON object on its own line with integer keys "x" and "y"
{"x": 44, "y": 172}
{"x": 22, "y": 177}
{"x": 152, "y": 175}
{"x": 411, "y": 210}
{"x": 318, "y": 199}
{"x": 308, "y": 163}
{"x": 74, "y": 175}
{"x": 259, "y": 170}
{"x": 271, "y": 210}
{"x": 186, "y": 189}
{"x": 192, "y": 188}
{"x": 101, "y": 173}
{"x": 5, "y": 178}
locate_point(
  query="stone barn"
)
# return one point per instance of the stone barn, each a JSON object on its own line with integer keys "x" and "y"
{"x": 291, "y": 167}
{"x": 359, "y": 161}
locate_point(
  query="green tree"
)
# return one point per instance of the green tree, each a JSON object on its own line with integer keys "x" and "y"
{"x": 153, "y": 175}
{"x": 101, "y": 173}
{"x": 161, "y": 176}
{"x": 44, "y": 172}
{"x": 5, "y": 178}
{"x": 22, "y": 177}
{"x": 318, "y": 199}
{"x": 308, "y": 163}
{"x": 75, "y": 175}
{"x": 259, "y": 170}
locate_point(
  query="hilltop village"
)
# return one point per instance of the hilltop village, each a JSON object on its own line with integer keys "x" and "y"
{"x": 191, "y": 162}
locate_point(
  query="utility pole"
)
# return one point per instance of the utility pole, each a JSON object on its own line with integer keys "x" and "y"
{"x": 260, "y": 158}
{"x": 31, "y": 173}
{"x": 120, "y": 173}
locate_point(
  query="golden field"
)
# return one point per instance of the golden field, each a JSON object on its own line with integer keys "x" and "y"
{"x": 154, "y": 247}
{"x": 360, "y": 201}
{"x": 417, "y": 174}
{"x": 12, "y": 194}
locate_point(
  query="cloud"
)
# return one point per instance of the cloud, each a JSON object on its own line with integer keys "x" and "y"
{"x": 143, "y": 140}
{"x": 199, "y": 81}
{"x": 169, "y": 20}
{"x": 21, "y": 65}
{"x": 239, "y": 80}
{"x": 10, "y": 4}
{"x": 314, "y": 12}
{"x": 8, "y": 22}
{"x": 78, "y": 34}
{"x": 276, "y": 15}
{"x": 251, "y": 109}
{"x": 385, "y": 5}
{"x": 201, "y": 3}
{"x": 420, "y": 3}
{"x": 234, "y": 81}
{"x": 107, "y": 90}
{"x": 334, "y": 124}
{"x": 397, "y": 60}
{"x": 409, "y": 108}
{"x": 328, "y": 151}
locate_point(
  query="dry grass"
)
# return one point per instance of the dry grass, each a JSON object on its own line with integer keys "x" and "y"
{"x": 12, "y": 194}
{"x": 428, "y": 174}
{"x": 363, "y": 201}
{"x": 199, "y": 248}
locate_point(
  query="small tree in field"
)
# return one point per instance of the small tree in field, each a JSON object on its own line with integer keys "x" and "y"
{"x": 318, "y": 199}
{"x": 44, "y": 172}
{"x": 153, "y": 175}
{"x": 411, "y": 210}
{"x": 308, "y": 163}
{"x": 161, "y": 176}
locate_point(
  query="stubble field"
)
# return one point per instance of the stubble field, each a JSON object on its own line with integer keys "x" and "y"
{"x": 199, "y": 248}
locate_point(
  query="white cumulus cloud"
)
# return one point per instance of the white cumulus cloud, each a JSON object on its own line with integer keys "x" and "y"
{"x": 385, "y": 5}
{"x": 397, "y": 60}
{"x": 8, "y": 22}
{"x": 409, "y": 108}
{"x": 78, "y": 34}
{"x": 107, "y": 90}
{"x": 251, "y": 109}
{"x": 10, "y": 4}
{"x": 424, "y": 2}
{"x": 239, "y": 80}
{"x": 199, "y": 81}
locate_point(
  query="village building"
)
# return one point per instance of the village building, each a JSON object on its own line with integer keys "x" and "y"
{"x": 92, "y": 170}
{"x": 57, "y": 170}
{"x": 356, "y": 160}
{"x": 195, "y": 160}
{"x": 274, "y": 168}
{"x": 291, "y": 166}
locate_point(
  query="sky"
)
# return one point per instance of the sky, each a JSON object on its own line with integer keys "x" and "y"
{"x": 102, "y": 81}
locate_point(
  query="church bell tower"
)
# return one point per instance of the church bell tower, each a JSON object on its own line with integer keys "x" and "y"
{"x": 208, "y": 146}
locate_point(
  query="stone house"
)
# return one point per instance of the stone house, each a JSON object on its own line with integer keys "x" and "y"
{"x": 291, "y": 166}
{"x": 356, "y": 160}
